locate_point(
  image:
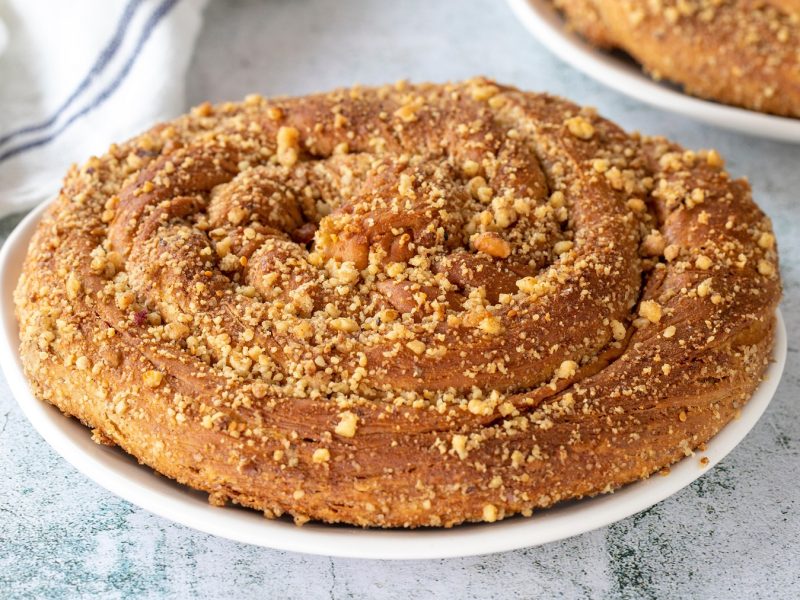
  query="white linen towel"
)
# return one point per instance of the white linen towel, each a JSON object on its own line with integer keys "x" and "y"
{"x": 78, "y": 75}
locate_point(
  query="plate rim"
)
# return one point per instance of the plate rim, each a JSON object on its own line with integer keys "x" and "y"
{"x": 542, "y": 20}
{"x": 118, "y": 473}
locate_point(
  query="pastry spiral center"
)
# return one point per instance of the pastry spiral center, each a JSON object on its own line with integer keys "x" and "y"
{"x": 428, "y": 266}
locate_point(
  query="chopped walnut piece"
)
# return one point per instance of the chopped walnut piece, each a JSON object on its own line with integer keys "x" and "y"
{"x": 344, "y": 324}
{"x": 416, "y": 346}
{"x": 491, "y": 325}
{"x": 124, "y": 300}
{"x": 408, "y": 112}
{"x": 387, "y": 315}
{"x": 714, "y": 159}
{"x": 484, "y": 91}
{"x": 321, "y": 455}
{"x": 406, "y": 185}
{"x": 766, "y": 240}
{"x": 580, "y": 128}
{"x": 475, "y": 184}
{"x": 490, "y": 513}
{"x": 703, "y": 262}
{"x": 618, "y": 330}
{"x": 115, "y": 259}
{"x": 176, "y": 330}
{"x": 348, "y": 423}
{"x": 567, "y": 369}
{"x": 395, "y": 269}
{"x": 654, "y": 244}
{"x": 470, "y": 168}
{"x": 493, "y": 245}
{"x": 73, "y": 286}
{"x": 704, "y": 287}
{"x": 203, "y": 110}
{"x": 459, "y": 443}
{"x": 235, "y": 215}
{"x": 562, "y": 246}
{"x": 229, "y": 262}
{"x": 671, "y": 252}
{"x": 637, "y": 205}
{"x": 152, "y": 378}
{"x": 479, "y": 407}
{"x": 303, "y": 330}
{"x": 484, "y": 194}
{"x": 288, "y": 146}
{"x": 765, "y": 267}
{"x": 697, "y": 196}
{"x": 650, "y": 310}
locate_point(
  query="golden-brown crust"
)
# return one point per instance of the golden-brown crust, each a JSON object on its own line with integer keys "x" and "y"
{"x": 740, "y": 52}
{"x": 401, "y": 306}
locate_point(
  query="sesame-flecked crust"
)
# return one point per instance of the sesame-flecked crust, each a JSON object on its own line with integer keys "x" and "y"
{"x": 740, "y": 52}
{"x": 402, "y": 306}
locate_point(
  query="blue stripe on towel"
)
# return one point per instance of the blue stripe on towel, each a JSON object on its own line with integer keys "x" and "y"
{"x": 106, "y": 54}
{"x": 158, "y": 14}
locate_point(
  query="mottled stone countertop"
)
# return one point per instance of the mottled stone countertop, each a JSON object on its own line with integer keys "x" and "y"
{"x": 734, "y": 533}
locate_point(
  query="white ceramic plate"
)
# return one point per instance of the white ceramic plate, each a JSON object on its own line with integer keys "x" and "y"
{"x": 122, "y": 475}
{"x": 544, "y": 22}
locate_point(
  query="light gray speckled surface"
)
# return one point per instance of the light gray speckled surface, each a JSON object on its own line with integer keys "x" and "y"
{"x": 734, "y": 533}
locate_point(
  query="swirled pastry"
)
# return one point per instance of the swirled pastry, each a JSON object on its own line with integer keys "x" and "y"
{"x": 403, "y": 306}
{"x": 740, "y": 52}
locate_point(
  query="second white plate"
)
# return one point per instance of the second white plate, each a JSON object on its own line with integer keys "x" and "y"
{"x": 122, "y": 475}
{"x": 544, "y": 22}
